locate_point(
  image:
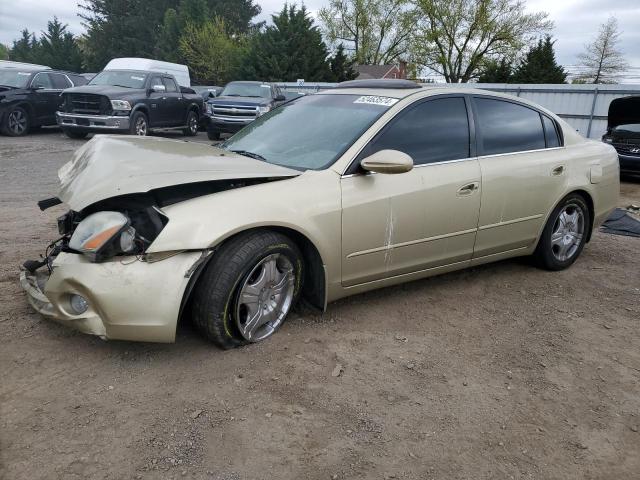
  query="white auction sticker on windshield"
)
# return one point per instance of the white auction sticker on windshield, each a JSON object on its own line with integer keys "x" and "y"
{"x": 137, "y": 78}
{"x": 376, "y": 100}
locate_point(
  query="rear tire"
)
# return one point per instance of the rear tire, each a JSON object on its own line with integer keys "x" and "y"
{"x": 236, "y": 278}
{"x": 139, "y": 124}
{"x": 192, "y": 124}
{"x": 16, "y": 122}
{"x": 75, "y": 134}
{"x": 565, "y": 234}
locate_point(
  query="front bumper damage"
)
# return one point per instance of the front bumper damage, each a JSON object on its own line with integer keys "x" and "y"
{"x": 128, "y": 298}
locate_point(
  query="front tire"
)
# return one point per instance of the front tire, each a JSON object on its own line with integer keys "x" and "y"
{"x": 213, "y": 135}
{"x": 565, "y": 234}
{"x": 16, "y": 122}
{"x": 75, "y": 134}
{"x": 192, "y": 124}
{"x": 139, "y": 124}
{"x": 248, "y": 289}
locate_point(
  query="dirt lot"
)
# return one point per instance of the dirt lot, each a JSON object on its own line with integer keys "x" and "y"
{"x": 503, "y": 371}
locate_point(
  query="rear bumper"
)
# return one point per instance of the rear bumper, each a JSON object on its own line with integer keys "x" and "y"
{"x": 128, "y": 299}
{"x": 94, "y": 123}
{"x": 629, "y": 163}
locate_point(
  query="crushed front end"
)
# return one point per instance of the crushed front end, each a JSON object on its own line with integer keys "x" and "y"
{"x": 98, "y": 279}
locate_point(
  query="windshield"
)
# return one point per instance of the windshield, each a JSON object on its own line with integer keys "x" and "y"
{"x": 309, "y": 133}
{"x": 629, "y": 127}
{"x": 119, "y": 78}
{"x": 12, "y": 77}
{"x": 246, "y": 90}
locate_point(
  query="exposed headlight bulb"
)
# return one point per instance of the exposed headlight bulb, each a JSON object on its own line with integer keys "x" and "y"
{"x": 127, "y": 239}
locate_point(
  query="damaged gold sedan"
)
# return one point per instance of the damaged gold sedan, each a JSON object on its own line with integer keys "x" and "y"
{"x": 367, "y": 185}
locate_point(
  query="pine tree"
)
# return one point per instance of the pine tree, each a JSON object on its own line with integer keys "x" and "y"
{"x": 291, "y": 48}
{"x": 341, "y": 67}
{"x": 497, "y": 72}
{"x": 540, "y": 66}
{"x": 58, "y": 48}
{"x": 25, "y": 49}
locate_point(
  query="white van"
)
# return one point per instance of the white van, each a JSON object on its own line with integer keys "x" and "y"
{"x": 180, "y": 72}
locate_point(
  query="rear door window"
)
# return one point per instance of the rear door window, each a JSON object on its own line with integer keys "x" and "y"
{"x": 432, "y": 131}
{"x": 506, "y": 127}
{"x": 550, "y": 132}
{"x": 170, "y": 84}
{"x": 60, "y": 82}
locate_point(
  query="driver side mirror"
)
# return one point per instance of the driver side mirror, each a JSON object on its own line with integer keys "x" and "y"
{"x": 157, "y": 89}
{"x": 387, "y": 161}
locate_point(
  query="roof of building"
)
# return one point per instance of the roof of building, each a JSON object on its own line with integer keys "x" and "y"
{"x": 373, "y": 71}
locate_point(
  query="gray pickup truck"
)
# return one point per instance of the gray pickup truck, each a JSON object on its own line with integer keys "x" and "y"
{"x": 129, "y": 101}
{"x": 239, "y": 104}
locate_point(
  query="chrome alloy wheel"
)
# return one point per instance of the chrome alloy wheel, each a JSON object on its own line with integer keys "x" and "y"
{"x": 141, "y": 126}
{"x": 265, "y": 297}
{"x": 568, "y": 231}
{"x": 17, "y": 122}
{"x": 193, "y": 124}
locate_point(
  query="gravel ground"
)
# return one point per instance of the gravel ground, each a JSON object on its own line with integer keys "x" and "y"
{"x": 501, "y": 371}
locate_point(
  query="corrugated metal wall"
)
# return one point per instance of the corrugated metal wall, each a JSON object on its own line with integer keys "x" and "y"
{"x": 584, "y": 107}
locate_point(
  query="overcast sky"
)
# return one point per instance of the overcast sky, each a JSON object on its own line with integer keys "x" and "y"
{"x": 576, "y": 22}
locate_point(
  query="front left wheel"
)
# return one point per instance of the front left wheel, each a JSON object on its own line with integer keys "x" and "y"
{"x": 248, "y": 289}
{"x": 16, "y": 122}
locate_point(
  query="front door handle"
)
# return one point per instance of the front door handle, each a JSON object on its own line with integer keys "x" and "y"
{"x": 468, "y": 189}
{"x": 559, "y": 170}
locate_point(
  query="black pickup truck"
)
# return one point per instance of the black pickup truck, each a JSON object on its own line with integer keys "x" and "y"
{"x": 129, "y": 101}
{"x": 239, "y": 104}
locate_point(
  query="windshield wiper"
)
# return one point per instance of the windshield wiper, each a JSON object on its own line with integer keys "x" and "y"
{"x": 123, "y": 86}
{"x": 245, "y": 153}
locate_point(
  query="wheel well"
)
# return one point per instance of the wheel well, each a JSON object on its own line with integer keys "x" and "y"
{"x": 313, "y": 287}
{"x": 589, "y": 201}
{"x": 142, "y": 109}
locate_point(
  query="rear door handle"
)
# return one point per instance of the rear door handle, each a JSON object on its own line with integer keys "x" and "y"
{"x": 559, "y": 170}
{"x": 468, "y": 189}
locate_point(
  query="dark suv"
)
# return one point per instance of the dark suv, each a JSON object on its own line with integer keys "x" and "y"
{"x": 623, "y": 132}
{"x": 30, "y": 96}
{"x": 239, "y": 104}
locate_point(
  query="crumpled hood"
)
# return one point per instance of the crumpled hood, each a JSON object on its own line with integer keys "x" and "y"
{"x": 108, "y": 166}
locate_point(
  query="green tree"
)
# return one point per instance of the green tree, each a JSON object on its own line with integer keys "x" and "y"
{"x": 376, "y": 31}
{"x": 58, "y": 48}
{"x": 457, "y": 36}
{"x": 212, "y": 54}
{"x": 26, "y": 48}
{"x": 291, "y": 48}
{"x": 4, "y": 52}
{"x": 540, "y": 66}
{"x": 238, "y": 15}
{"x": 121, "y": 28}
{"x": 341, "y": 67}
{"x": 495, "y": 71}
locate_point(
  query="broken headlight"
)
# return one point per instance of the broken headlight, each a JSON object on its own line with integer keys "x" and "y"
{"x": 104, "y": 234}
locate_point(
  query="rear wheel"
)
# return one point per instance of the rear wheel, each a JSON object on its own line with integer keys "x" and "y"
{"x": 16, "y": 122}
{"x": 74, "y": 133}
{"x": 565, "y": 234}
{"x": 248, "y": 289}
{"x": 192, "y": 124}
{"x": 139, "y": 124}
